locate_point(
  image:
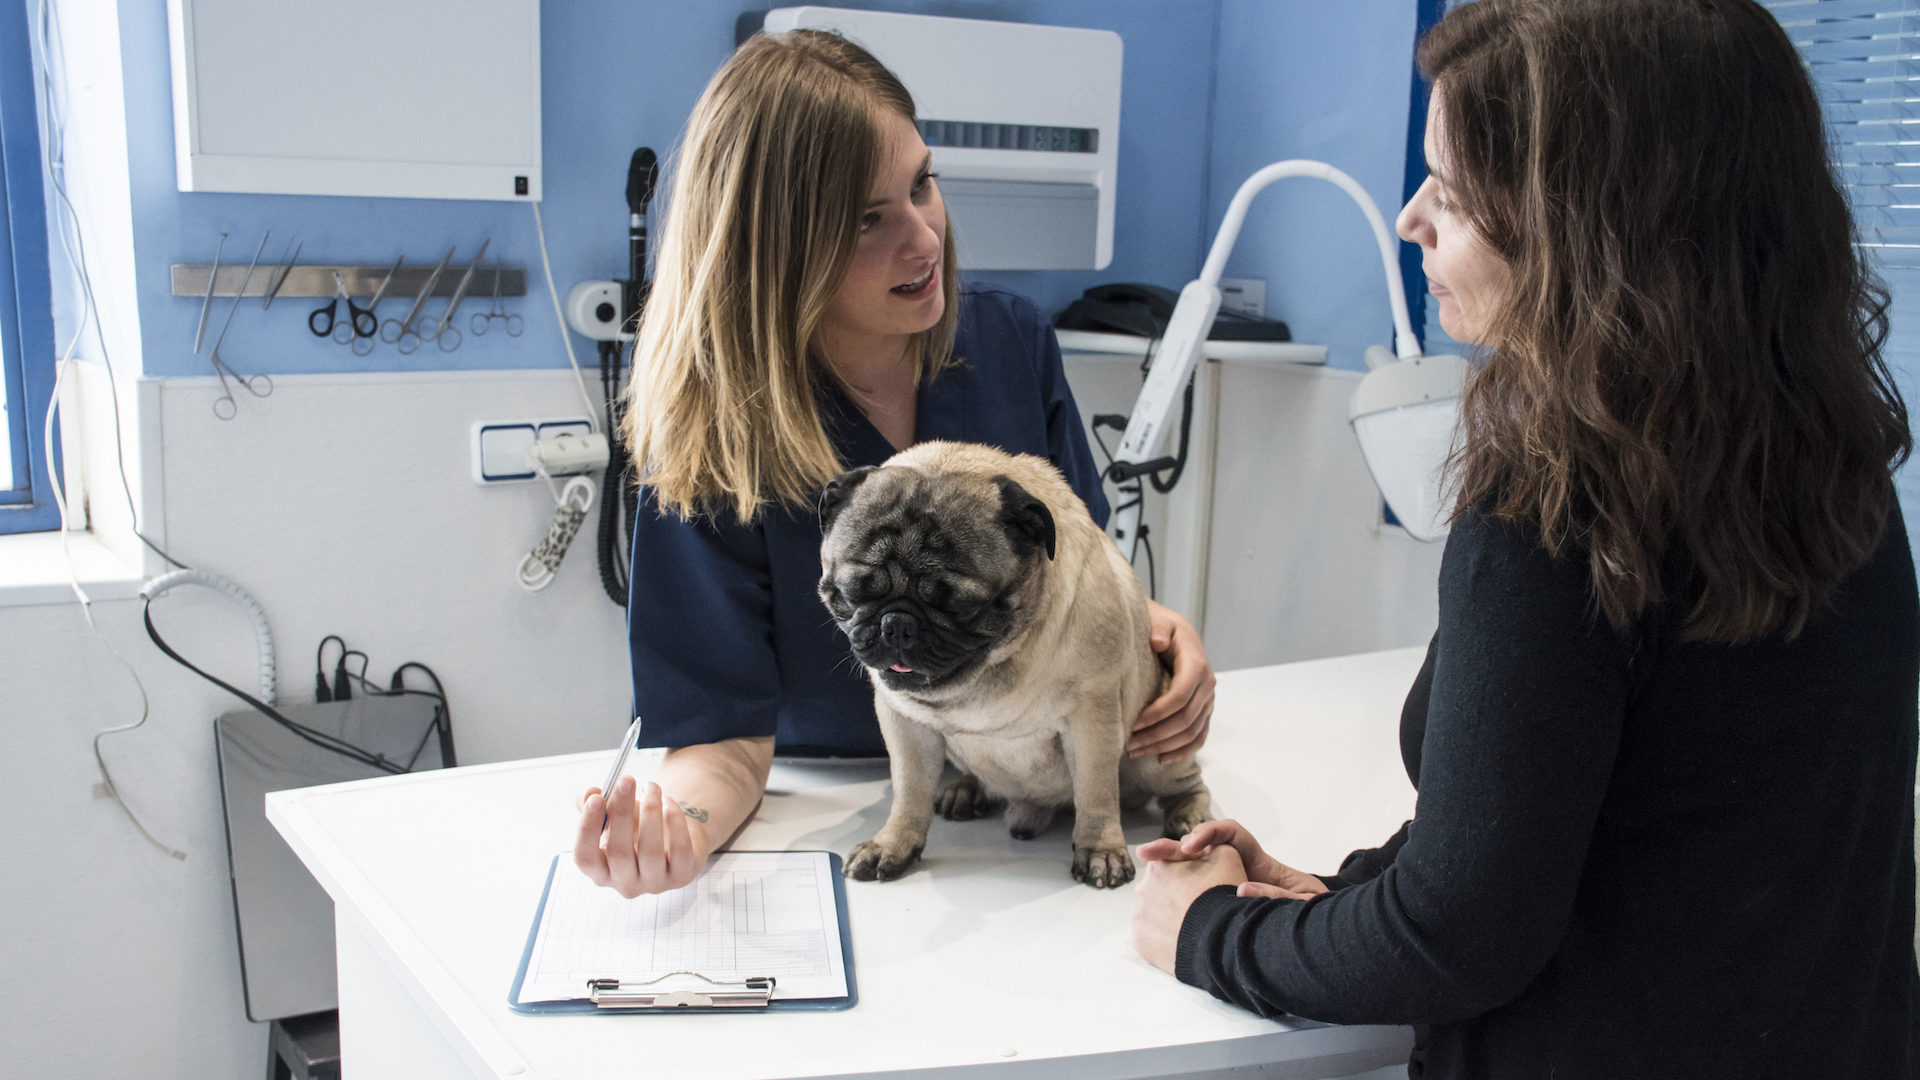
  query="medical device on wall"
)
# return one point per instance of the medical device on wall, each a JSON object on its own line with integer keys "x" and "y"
{"x": 1397, "y": 433}
{"x": 443, "y": 99}
{"x": 1023, "y": 122}
{"x": 1404, "y": 414}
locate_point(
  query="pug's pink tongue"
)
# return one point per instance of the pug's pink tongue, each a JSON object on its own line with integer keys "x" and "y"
{"x": 903, "y": 669}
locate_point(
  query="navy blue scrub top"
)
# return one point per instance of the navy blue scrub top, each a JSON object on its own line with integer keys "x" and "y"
{"x": 729, "y": 637}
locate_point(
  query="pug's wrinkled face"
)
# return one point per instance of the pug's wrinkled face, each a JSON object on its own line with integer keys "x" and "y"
{"x": 927, "y": 572}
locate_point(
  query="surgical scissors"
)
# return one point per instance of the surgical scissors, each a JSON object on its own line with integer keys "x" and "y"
{"x": 400, "y": 332}
{"x": 445, "y": 325}
{"x": 362, "y": 345}
{"x": 481, "y": 321}
{"x": 360, "y": 321}
{"x": 222, "y": 368}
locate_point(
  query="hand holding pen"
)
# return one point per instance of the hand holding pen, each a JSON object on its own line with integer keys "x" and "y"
{"x": 634, "y": 842}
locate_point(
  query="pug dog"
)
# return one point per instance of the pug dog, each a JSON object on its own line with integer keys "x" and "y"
{"x": 1001, "y": 629}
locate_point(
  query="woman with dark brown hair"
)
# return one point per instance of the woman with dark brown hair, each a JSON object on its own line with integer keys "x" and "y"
{"x": 1664, "y": 738}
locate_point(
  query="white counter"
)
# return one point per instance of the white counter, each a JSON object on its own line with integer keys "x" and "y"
{"x": 987, "y": 960}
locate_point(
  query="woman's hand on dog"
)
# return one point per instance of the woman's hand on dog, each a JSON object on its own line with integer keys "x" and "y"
{"x": 1174, "y": 725}
{"x": 1265, "y": 875}
{"x": 1166, "y": 888}
{"x": 649, "y": 845}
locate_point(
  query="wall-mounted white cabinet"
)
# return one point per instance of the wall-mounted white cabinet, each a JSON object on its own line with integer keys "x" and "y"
{"x": 426, "y": 99}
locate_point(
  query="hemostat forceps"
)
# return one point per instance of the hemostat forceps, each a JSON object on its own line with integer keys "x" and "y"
{"x": 257, "y": 385}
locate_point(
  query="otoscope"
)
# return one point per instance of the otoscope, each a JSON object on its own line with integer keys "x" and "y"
{"x": 643, "y": 172}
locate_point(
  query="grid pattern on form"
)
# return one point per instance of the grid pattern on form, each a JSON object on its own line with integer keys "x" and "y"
{"x": 727, "y": 924}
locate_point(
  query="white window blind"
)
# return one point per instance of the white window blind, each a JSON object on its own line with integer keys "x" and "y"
{"x": 1864, "y": 58}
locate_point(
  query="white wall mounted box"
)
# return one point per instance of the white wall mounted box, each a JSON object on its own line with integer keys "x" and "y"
{"x": 1023, "y": 122}
{"x": 441, "y": 99}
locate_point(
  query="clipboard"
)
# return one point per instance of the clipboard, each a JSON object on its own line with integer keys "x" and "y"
{"x": 694, "y": 991}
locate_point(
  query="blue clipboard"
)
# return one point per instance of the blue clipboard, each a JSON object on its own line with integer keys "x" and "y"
{"x": 583, "y": 1005}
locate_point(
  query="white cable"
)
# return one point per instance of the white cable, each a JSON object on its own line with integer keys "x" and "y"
{"x": 86, "y": 609}
{"x": 73, "y": 243}
{"x": 593, "y": 411}
{"x": 160, "y": 586}
{"x": 53, "y": 140}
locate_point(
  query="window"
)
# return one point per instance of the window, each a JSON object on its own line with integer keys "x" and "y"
{"x": 1864, "y": 58}
{"x": 26, "y": 298}
{"x": 1426, "y": 321}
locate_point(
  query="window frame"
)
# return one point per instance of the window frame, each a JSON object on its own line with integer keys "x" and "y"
{"x": 26, "y": 289}
{"x": 1413, "y": 278}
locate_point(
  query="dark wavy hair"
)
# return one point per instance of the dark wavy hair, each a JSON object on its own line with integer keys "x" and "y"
{"x": 1689, "y": 352}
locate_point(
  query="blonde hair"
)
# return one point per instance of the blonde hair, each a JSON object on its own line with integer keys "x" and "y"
{"x": 772, "y": 179}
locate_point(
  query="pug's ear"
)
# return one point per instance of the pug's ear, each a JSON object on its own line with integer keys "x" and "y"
{"x": 833, "y": 498}
{"x": 1025, "y": 517}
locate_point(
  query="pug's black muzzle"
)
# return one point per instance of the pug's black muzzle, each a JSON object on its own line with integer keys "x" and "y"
{"x": 900, "y": 636}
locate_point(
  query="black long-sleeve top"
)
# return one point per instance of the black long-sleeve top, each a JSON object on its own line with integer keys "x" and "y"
{"x": 1632, "y": 855}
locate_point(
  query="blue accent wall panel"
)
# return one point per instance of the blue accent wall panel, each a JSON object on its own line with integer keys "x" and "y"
{"x": 616, "y": 76}
{"x": 1326, "y": 82}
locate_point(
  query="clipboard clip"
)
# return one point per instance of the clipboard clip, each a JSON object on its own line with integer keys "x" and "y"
{"x": 751, "y": 993}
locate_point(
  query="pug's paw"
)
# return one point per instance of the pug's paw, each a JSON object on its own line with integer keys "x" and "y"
{"x": 1027, "y": 820}
{"x": 1102, "y": 868}
{"x": 872, "y": 862}
{"x": 963, "y": 800}
{"x": 1180, "y": 813}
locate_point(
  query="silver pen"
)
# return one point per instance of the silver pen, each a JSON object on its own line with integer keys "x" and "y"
{"x": 620, "y": 762}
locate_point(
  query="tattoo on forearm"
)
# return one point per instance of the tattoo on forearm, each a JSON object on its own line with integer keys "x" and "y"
{"x": 694, "y": 812}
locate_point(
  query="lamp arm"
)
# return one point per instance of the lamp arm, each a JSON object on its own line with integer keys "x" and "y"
{"x": 1186, "y": 334}
{"x": 1405, "y": 343}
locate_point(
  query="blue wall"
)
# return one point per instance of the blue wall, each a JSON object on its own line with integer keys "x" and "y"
{"x": 1327, "y": 82}
{"x": 623, "y": 74}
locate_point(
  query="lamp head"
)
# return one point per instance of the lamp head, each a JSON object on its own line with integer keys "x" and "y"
{"x": 1404, "y": 415}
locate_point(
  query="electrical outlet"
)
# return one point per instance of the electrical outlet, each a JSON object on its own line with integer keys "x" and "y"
{"x": 500, "y": 447}
{"x": 1244, "y": 296}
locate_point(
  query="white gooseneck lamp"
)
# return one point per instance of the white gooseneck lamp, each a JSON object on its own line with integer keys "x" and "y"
{"x": 1403, "y": 413}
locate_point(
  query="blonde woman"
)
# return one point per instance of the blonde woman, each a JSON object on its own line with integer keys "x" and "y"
{"x": 805, "y": 319}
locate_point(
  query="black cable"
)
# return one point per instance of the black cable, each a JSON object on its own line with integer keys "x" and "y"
{"x": 318, "y": 738}
{"x": 613, "y": 568}
{"x": 157, "y": 550}
{"x": 1180, "y": 459}
{"x": 446, "y": 709}
{"x": 373, "y": 689}
{"x": 1153, "y": 589}
{"x": 323, "y": 693}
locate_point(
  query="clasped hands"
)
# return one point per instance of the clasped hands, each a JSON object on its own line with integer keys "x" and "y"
{"x": 1175, "y": 872}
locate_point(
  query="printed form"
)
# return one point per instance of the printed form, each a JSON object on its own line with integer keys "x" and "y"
{"x": 752, "y": 913}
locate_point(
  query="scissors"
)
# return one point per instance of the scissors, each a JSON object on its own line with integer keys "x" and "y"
{"x": 482, "y": 320}
{"x": 445, "y": 326}
{"x": 363, "y": 343}
{"x": 360, "y": 321}
{"x": 258, "y": 385}
{"x": 401, "y": 332}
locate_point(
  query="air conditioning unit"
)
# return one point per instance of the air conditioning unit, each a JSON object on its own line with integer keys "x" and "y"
{"x": 1023, "y": 122}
